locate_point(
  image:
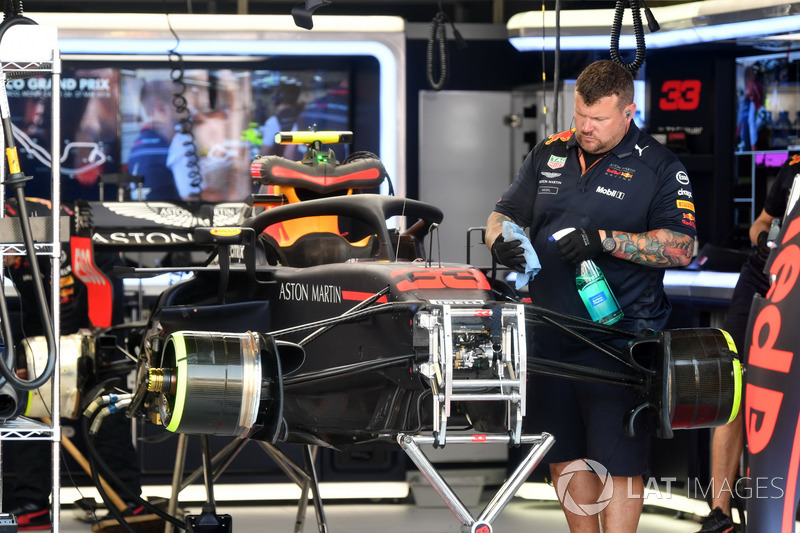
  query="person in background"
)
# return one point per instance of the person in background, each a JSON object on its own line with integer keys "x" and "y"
{"x": 727, "y": 442}
{"x": 150, "y": 155}
{"x": 329, "y": 112}
{"x": 628, "y": 198}
{"x": 287, "y": 108}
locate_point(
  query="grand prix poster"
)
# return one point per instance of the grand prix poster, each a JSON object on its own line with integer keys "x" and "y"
{"x": 772, "y": 390}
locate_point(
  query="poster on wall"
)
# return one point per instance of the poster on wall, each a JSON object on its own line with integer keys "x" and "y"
{"x": 89, "y": 139}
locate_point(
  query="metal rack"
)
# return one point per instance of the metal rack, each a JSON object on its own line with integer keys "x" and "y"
{"x": 28, "y": 51}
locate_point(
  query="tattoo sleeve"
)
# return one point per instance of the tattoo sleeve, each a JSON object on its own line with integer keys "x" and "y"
{"x": 494, "y": 227}
{"x": 659, "y": 248}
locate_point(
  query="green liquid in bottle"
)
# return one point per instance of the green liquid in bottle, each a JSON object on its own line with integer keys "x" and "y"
{"x": 596, "y": 294}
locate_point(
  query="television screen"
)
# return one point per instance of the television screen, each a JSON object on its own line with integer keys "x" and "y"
{"x": 189, "y": 134}
{"x": 196, "y": 138}
{"x": 89, "y": 130}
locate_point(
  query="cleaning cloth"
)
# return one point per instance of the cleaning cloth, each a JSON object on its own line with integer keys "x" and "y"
{"x": 532, "y": 265}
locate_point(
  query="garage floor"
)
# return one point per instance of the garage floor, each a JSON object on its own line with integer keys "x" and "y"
{"x": 519, "y": 515}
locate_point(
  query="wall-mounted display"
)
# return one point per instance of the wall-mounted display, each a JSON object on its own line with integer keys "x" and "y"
{"x": 190, "y": 133}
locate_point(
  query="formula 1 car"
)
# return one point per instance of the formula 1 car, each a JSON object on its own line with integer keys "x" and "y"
{"x": 321, "y": 321}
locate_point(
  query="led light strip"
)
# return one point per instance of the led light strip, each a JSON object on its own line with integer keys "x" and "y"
{"x": 690, "y": 23}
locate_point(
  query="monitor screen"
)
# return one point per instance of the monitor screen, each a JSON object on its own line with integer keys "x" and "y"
{"x": 89, "y": 130}
{"x": 186, "y": 134}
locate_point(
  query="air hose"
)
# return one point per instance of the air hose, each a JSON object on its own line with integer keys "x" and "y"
{"x": 16, "y": 181}
{"x": 438, "y": 39}
{"x": 638, "y": 32}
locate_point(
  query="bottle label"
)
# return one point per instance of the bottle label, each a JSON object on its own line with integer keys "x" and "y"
{"x": 597, "y": 299}
{"x": 600, "y": 303}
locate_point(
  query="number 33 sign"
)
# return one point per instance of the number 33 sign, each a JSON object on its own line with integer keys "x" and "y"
{"x": 680, "y": 95}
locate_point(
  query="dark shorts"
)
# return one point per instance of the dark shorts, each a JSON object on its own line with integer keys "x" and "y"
{"x": 586, "y": 419}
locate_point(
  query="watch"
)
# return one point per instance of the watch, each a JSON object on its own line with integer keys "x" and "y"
{"x": 609, "y": 244}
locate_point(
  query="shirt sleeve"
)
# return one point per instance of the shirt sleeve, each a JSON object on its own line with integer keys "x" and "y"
{"x": 517, "y": 202}
{"x": 672, "y": 206}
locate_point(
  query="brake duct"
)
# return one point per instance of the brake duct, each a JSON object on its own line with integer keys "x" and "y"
{"x": 219, "y": 384}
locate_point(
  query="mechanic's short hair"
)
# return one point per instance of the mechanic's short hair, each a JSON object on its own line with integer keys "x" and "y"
{"x": 605, "y": 78}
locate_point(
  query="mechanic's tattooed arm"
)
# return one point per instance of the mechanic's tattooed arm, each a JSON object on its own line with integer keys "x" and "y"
{"x": 659, "y": 248}
{"x": 494, "y": 227}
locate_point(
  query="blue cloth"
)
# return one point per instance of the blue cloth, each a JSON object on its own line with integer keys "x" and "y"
{"x": 532, "y": 266}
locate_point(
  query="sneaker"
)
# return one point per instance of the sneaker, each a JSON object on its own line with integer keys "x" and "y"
{"x": 32, "y": 517}
{"x": 717, "y": 522}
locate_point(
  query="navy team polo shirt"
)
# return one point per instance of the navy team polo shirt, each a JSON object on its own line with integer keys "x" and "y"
{"x": 639, "y": 186}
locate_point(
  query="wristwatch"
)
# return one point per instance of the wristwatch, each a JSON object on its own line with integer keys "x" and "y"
{"x": 609, "y": 243}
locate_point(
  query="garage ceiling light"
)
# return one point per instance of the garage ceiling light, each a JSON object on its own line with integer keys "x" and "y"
{"x": 690, "y": 23}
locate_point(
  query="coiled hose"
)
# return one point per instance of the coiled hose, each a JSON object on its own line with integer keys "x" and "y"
{"x": 638, "y": 32}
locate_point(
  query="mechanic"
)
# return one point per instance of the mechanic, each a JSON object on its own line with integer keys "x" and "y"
{"x": 727, "y": 441}
{"x": 630, "y": 201}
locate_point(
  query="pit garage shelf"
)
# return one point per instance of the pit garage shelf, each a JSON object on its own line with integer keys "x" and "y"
{"x": 30, "y": 51}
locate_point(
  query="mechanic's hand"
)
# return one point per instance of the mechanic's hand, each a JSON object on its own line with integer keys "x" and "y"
{"x": 761, "y": 245}
{"x": 509, "y": 253}
{"x": 580, "y": 244}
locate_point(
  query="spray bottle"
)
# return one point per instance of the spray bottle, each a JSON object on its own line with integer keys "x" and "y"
{"x": 593, "y": 289}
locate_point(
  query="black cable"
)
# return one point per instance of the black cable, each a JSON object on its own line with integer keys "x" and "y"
{"x": 559, "y": 369}
{"x": 12, "y": 8}
{"x": 98, "y": 464}
{"x": 116, "y": 513}
{"x": 366, "y": 154}
{"x": 361, "y": 305}
{"x": 589, "y": 325}
{"x": 577, "y": 336}
{"x": 438, "y": 36}
{"x": 638, "y": 30}
{"x": 355, "y": 368}
{"x": 431, "y": 229}
{"x": 185, "y": 121}
{"x": 556, "y": 70}
{"x": 16, "y": 181}
{"x": 344, "y": 319}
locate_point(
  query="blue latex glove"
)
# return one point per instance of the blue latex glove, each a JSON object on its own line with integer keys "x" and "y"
{"x": 532, "y": 265}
